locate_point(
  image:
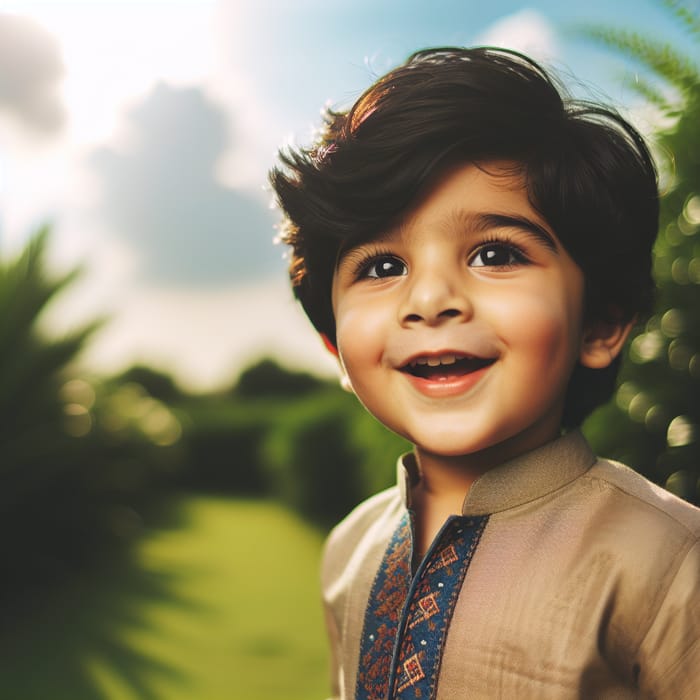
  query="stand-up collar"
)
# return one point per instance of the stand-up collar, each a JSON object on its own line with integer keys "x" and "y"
{"x": 517, "y": 481}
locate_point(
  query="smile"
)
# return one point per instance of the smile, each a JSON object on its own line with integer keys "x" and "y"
{"x": 447, "y": 367}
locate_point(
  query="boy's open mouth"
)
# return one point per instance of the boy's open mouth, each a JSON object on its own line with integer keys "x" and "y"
{"x": 445, "y": 367}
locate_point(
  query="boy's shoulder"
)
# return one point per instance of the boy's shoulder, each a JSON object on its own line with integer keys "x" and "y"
{"x": 641, "y": 499}
{"x": 373, "y": 520}
{"x": 628, "y": 511}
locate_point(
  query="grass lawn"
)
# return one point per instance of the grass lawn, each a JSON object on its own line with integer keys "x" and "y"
{"x": 225, "y": 605}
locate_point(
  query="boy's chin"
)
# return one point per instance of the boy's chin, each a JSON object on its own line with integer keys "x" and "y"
{"x": 487, "y": 451}
{"x": 455, "y": 448}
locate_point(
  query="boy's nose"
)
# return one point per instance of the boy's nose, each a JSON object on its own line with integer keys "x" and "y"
{"x": 433, "y": 297}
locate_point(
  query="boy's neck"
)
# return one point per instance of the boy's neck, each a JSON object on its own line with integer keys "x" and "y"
{"x": 443, "y": 486}
{"x": 446, "y": 481}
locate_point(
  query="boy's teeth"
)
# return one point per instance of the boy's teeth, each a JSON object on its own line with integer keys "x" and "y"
{"x": 437, "y": 361}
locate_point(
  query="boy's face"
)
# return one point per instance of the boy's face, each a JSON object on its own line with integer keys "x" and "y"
{"x": 459, "y": 327}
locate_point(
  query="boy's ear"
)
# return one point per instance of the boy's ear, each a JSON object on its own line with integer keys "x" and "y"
{"x": 603, "y": 342}
{"x": 345, "y": 382}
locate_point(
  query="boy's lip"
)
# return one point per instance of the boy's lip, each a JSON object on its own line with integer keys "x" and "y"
{"x": 431, "y": 376}
{"x": 448, "y": 372}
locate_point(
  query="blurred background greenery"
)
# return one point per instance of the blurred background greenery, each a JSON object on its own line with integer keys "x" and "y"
{"x": 160, "y": 543}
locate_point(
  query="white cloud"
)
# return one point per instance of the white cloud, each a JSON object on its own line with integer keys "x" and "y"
{"x": 115, "y": 51}
{"x": 159, "y": 192}
{"x": 31, "y": 69}
{"x": 112, "y": 53}
{"x": 526, "y": 31}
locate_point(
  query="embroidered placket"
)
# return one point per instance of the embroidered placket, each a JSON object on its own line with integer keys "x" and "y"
{"x": 406, "y": 620}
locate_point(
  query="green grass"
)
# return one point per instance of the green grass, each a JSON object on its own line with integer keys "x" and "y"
{"x": 225, "y": 605}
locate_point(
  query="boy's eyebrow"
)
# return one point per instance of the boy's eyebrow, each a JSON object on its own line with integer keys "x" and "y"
{"x": 478, "y": 223}
{"x": 484, "y": 221}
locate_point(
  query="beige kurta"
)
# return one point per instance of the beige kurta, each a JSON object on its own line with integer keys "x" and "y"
{"x": 584, "y": 584}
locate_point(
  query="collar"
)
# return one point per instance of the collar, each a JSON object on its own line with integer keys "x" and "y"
{"x": 518, "y": 481}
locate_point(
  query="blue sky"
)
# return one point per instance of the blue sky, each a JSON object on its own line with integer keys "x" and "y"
{"x": 143, "y": 132}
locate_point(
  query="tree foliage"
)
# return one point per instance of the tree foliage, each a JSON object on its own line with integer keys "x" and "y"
{"x": 75, "y": 472}
{"x": 655, "y": 421}
{"x": 267, "y": 378}
{"x": 30, "y": 369}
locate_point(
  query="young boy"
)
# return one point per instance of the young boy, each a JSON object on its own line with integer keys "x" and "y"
{"x": 475, "y": 249}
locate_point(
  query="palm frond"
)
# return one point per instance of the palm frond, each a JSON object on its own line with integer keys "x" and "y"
{"x": 36, "y": 365}
{"x": 686, "y": 15}
{"x": 25, "y": 290}
{"x": 649, "y": 91}
{"x": 659, "y": 57}
{"x": 31, "y": 366}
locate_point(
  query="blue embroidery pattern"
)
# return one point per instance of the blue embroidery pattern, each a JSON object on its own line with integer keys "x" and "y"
{"x": 389, "y": 592}
{"x": 406, "y": 621}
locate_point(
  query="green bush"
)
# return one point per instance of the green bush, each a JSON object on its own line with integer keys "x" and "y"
{"x": 654, "y": 422}
{"x": 81, "y": 460}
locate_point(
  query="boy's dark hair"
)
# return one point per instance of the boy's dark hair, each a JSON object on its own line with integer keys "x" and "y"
{"x": 587, "y": 172}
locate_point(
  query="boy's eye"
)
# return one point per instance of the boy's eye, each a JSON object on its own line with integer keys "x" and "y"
{"x": 384, "y": 266}
{"x": 497, "y": 255}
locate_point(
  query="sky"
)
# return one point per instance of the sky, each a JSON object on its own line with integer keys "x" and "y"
{"x": 142, "y": 133}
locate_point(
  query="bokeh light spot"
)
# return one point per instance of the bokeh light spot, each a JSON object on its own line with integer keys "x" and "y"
{"x": 694, "y": 271}
{"x": 639, "y": 406}
{"x": 679, "y": 271}
{"x": 77, "y": 420}
{"x": 691, "y": 211}
{"x": 672, "y": 323}
{"x": 625, "y": 393}
{"x": 694, "y": 366}
{"x": 78, "y": 391}
{"x": 647, "y": 346}
{"x": 673, "y": 235}
{"x": 656, "y": 419}
{"x": 680, "y": 432}
{"x": 679, "y": 356}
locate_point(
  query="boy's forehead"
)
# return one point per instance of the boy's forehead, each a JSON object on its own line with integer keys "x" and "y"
{"x": 478, "y": 197}
{"x": 472, "y": 178}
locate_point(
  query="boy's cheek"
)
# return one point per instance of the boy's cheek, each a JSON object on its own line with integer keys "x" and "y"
{"x": 360, "y": 328}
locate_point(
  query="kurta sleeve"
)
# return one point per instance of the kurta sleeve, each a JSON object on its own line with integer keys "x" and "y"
{"x": 670, "y": 652}
{"x": 333, "y": 645}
